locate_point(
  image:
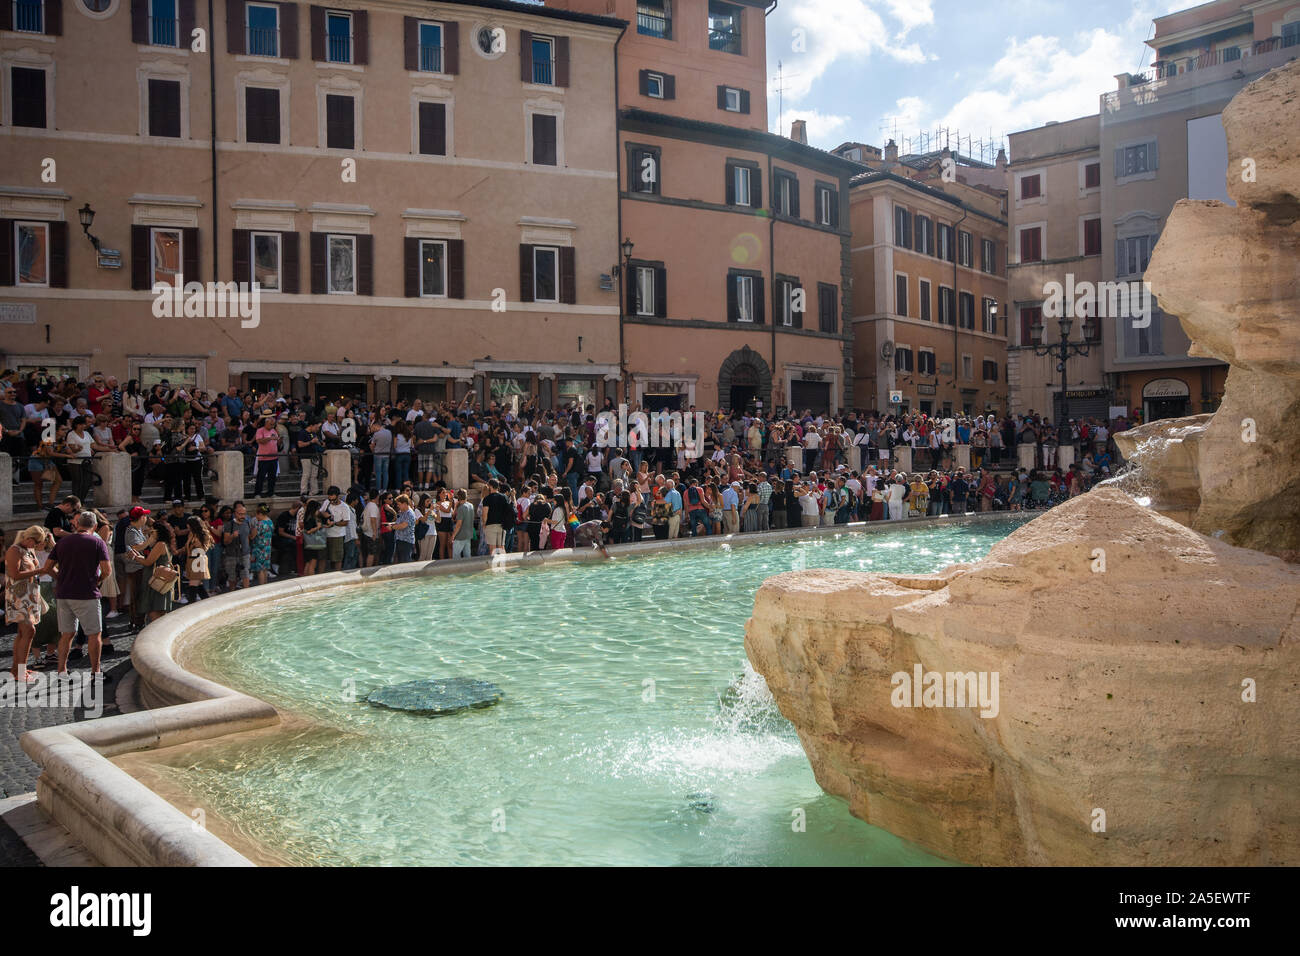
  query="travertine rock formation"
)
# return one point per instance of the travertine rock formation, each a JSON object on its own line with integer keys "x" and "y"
{"x": 1232, "y": 276}
{"x": 1121, "y": 640}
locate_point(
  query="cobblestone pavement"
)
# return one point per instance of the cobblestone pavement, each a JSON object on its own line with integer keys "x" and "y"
{"x": 17, "y": 772}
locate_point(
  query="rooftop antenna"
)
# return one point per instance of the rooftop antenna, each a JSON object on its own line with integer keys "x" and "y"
{"x": 780, "y": 96}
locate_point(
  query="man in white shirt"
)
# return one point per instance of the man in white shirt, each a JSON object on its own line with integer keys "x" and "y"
{"x": 897, "y": 494}
{"x": 370, "y": 533}
{"x": 341, "y": 515}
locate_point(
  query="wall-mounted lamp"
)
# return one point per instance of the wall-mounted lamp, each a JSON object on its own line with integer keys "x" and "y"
{"x": 87, "y": 217}
{"x": 626, "y": 248}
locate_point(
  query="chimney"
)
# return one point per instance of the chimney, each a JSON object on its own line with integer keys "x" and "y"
{"x": 1002, "y": 161}
{"x": 891, "y": 154}
{"x": 799, "y": 131}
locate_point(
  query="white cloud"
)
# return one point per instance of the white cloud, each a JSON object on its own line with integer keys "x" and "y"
{"x": 822, "y": 127}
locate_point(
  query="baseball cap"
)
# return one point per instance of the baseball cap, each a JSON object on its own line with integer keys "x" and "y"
{"x": 177, "y": 503}
{"x": 137, "y": 511}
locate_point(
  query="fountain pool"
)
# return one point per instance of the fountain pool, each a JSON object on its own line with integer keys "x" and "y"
{"x": 632, "y": 729}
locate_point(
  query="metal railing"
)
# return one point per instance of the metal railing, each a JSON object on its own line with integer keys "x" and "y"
{"x": 263, "y": 41}
{"x": 339, "y": 48}
{"x": 544, "y": 72}
{"x": 162, "y": 31}
{"x": 727, "y": 41}
{"x": 430, "y": 58}
{"x": 29, "y": 16}
{"x": 653, "y": 23}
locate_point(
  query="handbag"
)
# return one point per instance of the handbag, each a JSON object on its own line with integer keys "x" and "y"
{"x": 313, "y": 540}
{"x": 164, "y": 578}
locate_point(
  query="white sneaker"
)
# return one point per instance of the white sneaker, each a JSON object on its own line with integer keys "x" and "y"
{"x": 183, "y": 600}
{"x": 112, "y": 614}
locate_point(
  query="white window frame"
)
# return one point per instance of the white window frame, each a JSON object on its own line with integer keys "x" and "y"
{"x": 445, "y": 266}
{"x": 985, "y": 302}
{"x": 785, "y": 303}
{"x": 153, "y": 246}
{"x": 172, "y": 72}
{"x": 341, "y": 86}
{"x": 1041, "y": 198}
{"x": 938, "y": 306}
{"x": 555, "y": 252}
{"x": 279, "y": 259}
{"x": 44, "y": 225}
{"x": 346, "y": 14}
{"x": 924, "y": 248}
{"x": 442, "y": 47}
{"x": 548, "y": 107}
{"x": 899, "y": 348}
{"x": 1084, "y": 188}
{"x": 651, "y": 80}
{"x": 550, "y": 42}
{"x": 925, "y": 350}
{"x": 785, "y": 190}
{"x": 969, "y": 250}
{"x": 730, "y": 92}
{"x": 330, "y": 240}
{"x": 745, "y": 299}
{"x": 942, "y": 229}
{"x": 824, "y": 206}
{"x": 904, "y": 312}
{"x": 149, "y": 19}
{"x": 986, "y": 243}
{"x": 645, "y": 286}
{"x": 742, "y": 195}
{"x": 265, "y": 80}
{"x": 279, "y": 46}
{"x": 432, "y": 94}
{"x": 26, "y": 59}
{"x": 1042, "y": 242}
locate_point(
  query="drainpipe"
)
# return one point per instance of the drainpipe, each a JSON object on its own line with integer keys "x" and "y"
{"x": 618, "y": 239}
{"x": 956, "y": 318}
{"x": 771, "y": 274}
{"x": 212, "y": 113}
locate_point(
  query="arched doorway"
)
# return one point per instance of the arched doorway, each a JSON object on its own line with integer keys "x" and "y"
{"x": 745, "y": 382}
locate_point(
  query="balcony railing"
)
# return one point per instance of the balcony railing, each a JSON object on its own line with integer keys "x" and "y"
{"x": 653, "y": 23}
{"x": 29, "y": 16}
{"x": 339, "y": 48}
{"x": 544, "y": 72}
{"x": 728, "y": 41}
{"x": 263, "y": 41}
{"x": 430, "y": 58}
{"x": 162, "y": 31}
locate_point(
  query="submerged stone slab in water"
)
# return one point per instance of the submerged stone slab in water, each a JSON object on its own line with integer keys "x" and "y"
{"x": 437, "y": 696}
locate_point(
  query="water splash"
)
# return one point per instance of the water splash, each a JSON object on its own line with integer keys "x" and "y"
{"x": 748, "y": 707}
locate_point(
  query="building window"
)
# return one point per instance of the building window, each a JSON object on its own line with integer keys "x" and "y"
{"x": 924, "y": 299}
{"x": 744, "y": 298}
{"x": 342, "y": 263}
{"x": 1092, "y": 237}
{"x": 966, "y": 311}
{"x": 163, "y": 27}
{"x": 433, "y": 268}
{"x": 903, "y": 358}
{"x": 742, "y": 185}
{"x": 1031, "y": 244}
{"x": 1031, "y": 186}
{"x": 165, "y": 108}
{"x": 543, "y": 60}
{"x": 32, "y": 253}
{"x": 925, "y": 235}
{"x": 263, "y": 31}
{"x": 261, "y": 115}
{"x": 946, "y": 250}
{"x": 964, "y": 249}
{"x": 968, "y": 367}
{"x": 433, "y": 129}
{"x": 654, "y": 85}
{"x": 643, "y": 171}
{"x": 264, "y": 253}
{"x": 28, "y": 16}
{"x": 546, "y": 279}
{"x": 545, "y": 142}
{"x": 430, "y": 43}
{"x": 988, "y": 256}
{"x": 731, "y": 100}
{"x": 27, "y": 97}
{"x": 1133, "y": 254}
{"x": 902, "y": 228}
{"x": 654, "y": 18}
{"x": 925, "y": 364}
{"x": 827, "y": 308}
{"x": 947, "y": 306}
{"x": 1291, "y": 34}
{"x": 990, "y": 370}
{"x": 338, "y": 37}
{"x": 166, "y": 247}
{"x": 340, "y": 122}
{"x": 724, "y": 27}
{"x": 786, "y": 199}
{"x": 786, "y": 312}
{"x": 1135, "y": 160}
{"x": 1031, "y": 317}
{"x": 900, "y": 295}
{"x": 828, "y": 206}
{"x": 1092, "y": 176}
{"x": 645, "y": 290}
{"x": 989, "y": 318}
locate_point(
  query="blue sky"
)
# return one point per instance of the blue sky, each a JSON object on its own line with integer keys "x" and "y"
{"x": 976, "y": 66}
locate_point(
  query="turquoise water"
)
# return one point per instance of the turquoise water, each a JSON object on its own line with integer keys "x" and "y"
{"x": 632, "y": 730}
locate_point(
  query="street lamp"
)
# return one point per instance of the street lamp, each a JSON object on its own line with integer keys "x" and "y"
{"x": 625, "y": 247}
{"x": 1062, "y": 351}
{"x": 87, "y": 217}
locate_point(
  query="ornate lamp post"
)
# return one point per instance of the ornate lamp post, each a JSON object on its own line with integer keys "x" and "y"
{"x": 622, "y": 270}
{"x": 1062, "y": 351}
{"x": 86, "y": 215}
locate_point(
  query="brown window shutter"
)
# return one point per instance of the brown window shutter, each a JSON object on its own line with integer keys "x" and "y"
{"x": 744, "y": 101}
{"x": 733, "y": 309}
{"x": 525, "y": 273}
{"x": 319, "y": 265}
{"x": 561, "y": 61}
{"x": 670, "y": 87}
{"x": 568, "y": 276}
{"x": 835, "y": 208}
{"x": 141, "y": 277}
{"x": 360, "y": 37}
{"x": 451, "y": 48}
{"x": 794, "y": 197}
{"x": 661, "y": 292}
{"x": 318, "y": 34}
{"x": 235, "y": 39}
{"x": 190, "y": 254}
{"x": 455, "y": 268}
{"x": 722, "y": 97}
{"x": 289, "y": 259}
{"x": 629, "y": 289}
{"x": 411, "y": 267}
{"x": 643, "y": 82}
{"x": 58, "y": 246}
{"x": 7, "y": 250}
{"x": 433, "y": 129}
{"x": 186, "y": 17}
{"x": 365, "y": 265}
{"x": 54, "y": 21}
{"x": 731, "y": 185}
{"x": 241, "y": 255}
{"x": 139, "y": 21}
{"x": 289, "y": 31}
{"x": 756, "y": 189}
{"x": 7, "y": 23}
{"x": 758, "y": 300}
{"x": 411, "y": 42}
{"x": 525, "y": 56}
